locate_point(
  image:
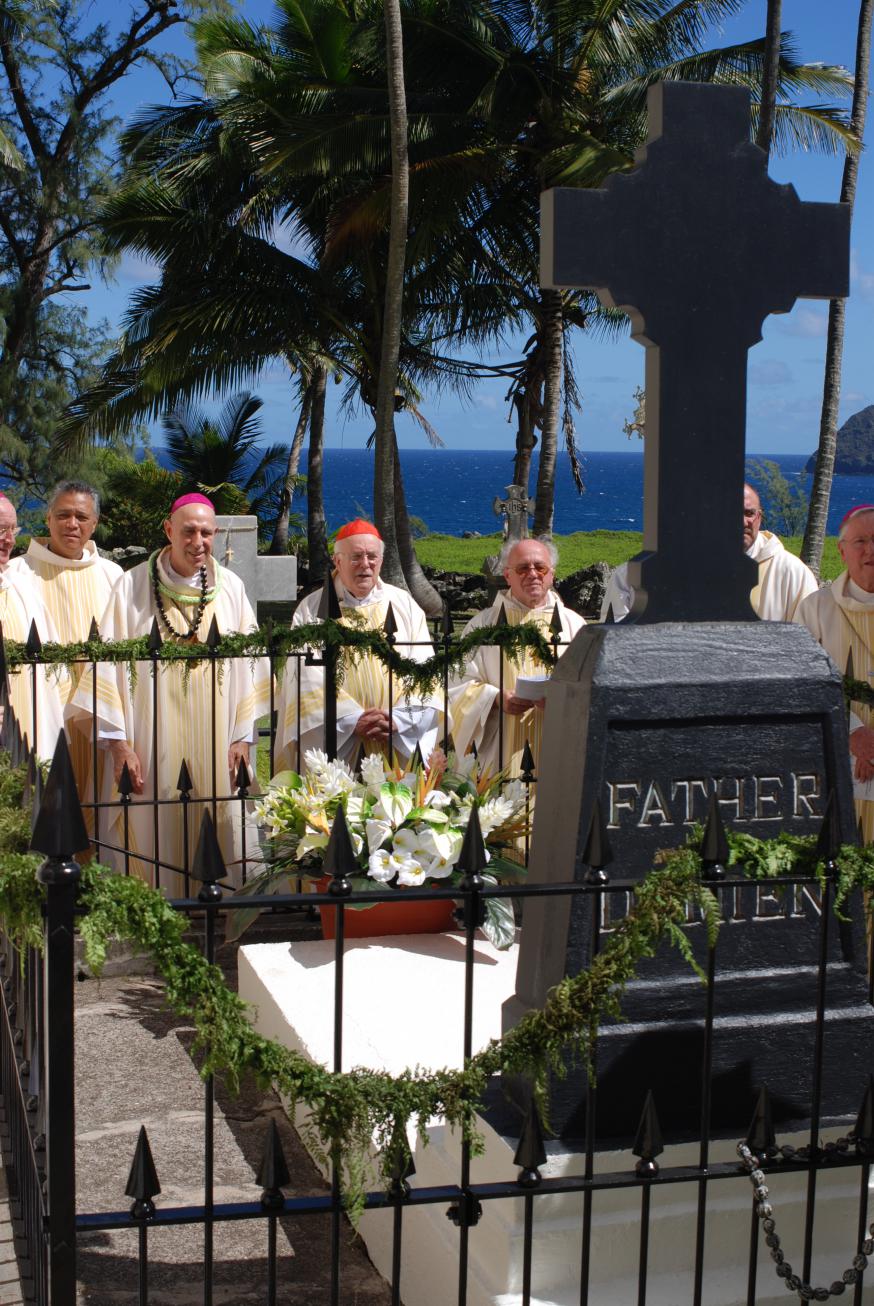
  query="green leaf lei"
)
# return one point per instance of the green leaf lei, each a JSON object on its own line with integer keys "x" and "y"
{"x": 333, "y": 636}
{"x": 347, "y": 1111}
{"x": 858, "y": 691}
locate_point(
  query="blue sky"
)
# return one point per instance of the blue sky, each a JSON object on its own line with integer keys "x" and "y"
{"x": 785, "y": 368}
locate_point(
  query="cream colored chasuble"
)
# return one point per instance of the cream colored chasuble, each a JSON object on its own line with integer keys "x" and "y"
{"x": 20, "y": 604}
{"x": 364, "y": 680}
{"x": 75, "y": 592}
{"x": 473, "y": 699}
{"x": 841, "y": 617}
{"x": 174, "y": 717}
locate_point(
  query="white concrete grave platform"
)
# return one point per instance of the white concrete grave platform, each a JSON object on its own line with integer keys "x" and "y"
{"x": 403, "y": 1006}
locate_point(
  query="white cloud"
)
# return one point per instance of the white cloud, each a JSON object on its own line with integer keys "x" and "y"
{"x": 488, "y": 401}
{"x": 861, "y": 282}
{"x": 803, "y": 321}
{"x": 770, "y": 371}
{"x": 776, "y": 409}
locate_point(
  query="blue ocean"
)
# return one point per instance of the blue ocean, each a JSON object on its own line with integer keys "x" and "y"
{"x": 453, "y": 491}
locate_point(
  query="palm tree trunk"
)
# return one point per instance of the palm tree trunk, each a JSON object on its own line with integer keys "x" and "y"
{"x": 417, "y": 582}
{"x": 817, "y": 517}
{"x": 551, "y": 345}
{"x": 384, "y": 459}
{"x": 770, "y": 75}
{"x": 317, "y": 535}
{"x": 525, "y": 440}
{"x": 279, "y": 543}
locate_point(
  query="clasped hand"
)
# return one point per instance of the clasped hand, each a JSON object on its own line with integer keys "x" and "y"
{"x": 862, "y": 750}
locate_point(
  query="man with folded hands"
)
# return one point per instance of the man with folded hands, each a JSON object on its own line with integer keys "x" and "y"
{"x": 475, "y": 698}
{"x": 363, "y": 723}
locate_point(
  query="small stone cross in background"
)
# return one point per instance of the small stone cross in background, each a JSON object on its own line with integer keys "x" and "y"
{"x": 267, "y": 579}
{"x": 515, "y": 510}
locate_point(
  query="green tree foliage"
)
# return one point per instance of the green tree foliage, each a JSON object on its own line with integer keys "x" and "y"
{"x": 820, "y": 495}
{"x": 57, "y": 68}
{"x": 226, "y": 460}
{"x": 136, "y": 497}
{"x": 291, "y": 147}
{"x": 784, "y": 503}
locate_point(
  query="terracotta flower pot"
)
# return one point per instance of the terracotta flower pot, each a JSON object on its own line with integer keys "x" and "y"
{"x": 400, "y": 916}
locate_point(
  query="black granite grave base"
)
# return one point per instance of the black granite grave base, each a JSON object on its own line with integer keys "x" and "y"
{"x": 652, "y": 721}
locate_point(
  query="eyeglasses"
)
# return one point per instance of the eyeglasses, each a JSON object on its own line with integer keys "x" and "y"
{"x": 540, "y": 567}
{"x": 9, "y": 532}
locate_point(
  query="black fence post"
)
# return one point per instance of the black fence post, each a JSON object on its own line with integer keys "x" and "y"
{"x": 59, "y": 831}
{"x": 329, "y": 610}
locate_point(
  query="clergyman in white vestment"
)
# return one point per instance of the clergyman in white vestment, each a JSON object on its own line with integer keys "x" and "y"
{"x": 75, "y": 583}
{"x": 183, "y": 587}
{"x": 841, "y": 617}
{"x": 783, "y": 582}
{"x": 529, "y": 570}
{"x": 20, "y": 604}
{"x": 363, "y": 695}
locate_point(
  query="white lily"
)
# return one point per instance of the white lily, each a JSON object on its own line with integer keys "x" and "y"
{"x": 395, "y": 804}
{"x": 412, "y": 874}
{"x": 379, "y": 866}
{"x": 384, "y": 865}
{"x": 444, "y": 845}
{"x": 514, "y": 792}
{"x": 311, "y": 841}
{"x": 377, "y": 832}
{"x": 465, "y": 765}
{"x": 355, "y": 807}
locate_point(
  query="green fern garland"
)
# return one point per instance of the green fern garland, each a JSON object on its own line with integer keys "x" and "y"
{"x": 858, "y": 691}
{"x": 347, "y": 1111}
{"x": 333, "y": 636}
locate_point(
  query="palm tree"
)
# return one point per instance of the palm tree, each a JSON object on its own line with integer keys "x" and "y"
{"x": 385, "y": 443}
{"x": 770, "y": 74}
{"x": 279, "y": 543}
{"x": 504, "y": 101}
{"x": 580, "y": 74}
{"x": 225, "y": 458}
{"x": 814, "y": 534}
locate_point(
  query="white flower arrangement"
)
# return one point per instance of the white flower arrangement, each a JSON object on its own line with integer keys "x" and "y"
{"x": 407, "y": 828}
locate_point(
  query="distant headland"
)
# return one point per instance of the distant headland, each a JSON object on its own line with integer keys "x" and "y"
{"x": 855, "y": 445}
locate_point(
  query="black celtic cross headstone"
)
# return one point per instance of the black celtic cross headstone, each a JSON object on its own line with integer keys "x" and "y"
{"x": 698, "y": 245}
{"x": 692, "y": 696}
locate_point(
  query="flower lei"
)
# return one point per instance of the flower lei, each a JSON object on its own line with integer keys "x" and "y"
{"x": 205, "y": 597}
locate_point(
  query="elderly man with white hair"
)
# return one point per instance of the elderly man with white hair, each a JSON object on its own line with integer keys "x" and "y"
{"x": 783, "y": 581}
{"x": 363, "y": 724}
{"x": 204, "y": 720}
{"x": 479, "y": 717}
{"x": 20, "y": 604}
{"x": 841, "y": 617}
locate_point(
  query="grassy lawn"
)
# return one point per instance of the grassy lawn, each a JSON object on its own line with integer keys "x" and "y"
{"x": 450, "y": 553}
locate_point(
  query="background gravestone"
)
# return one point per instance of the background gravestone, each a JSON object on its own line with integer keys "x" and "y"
{"x": 270, "y": 581}
{"x": 691, "y": 695}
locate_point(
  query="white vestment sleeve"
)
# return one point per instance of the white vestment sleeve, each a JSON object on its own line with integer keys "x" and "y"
{"x": 415, "y": 726}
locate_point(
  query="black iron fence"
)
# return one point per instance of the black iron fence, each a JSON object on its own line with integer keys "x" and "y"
{"x": 125, "y": 825}
{"x": 37, "y": 1066}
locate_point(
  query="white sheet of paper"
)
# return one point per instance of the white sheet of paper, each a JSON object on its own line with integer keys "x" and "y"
{"x": 532, "y": 687}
